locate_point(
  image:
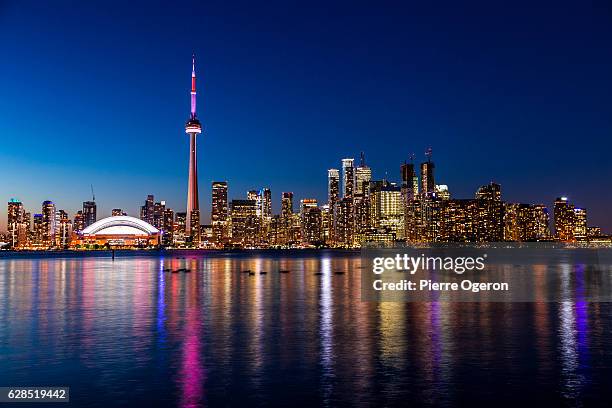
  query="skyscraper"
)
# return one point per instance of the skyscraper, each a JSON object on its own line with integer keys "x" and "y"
{"x": 17, "y": 225}
{"x": 89, "y": 213}
{"x": 564, "y": 220}
{"x": 286, "y": 217}
{"x": 49, "y": 223}
{"x": 79, "y": 222}
{"x": 428, "y": 183}
{"x": 266, "y": 202}
{"x": 348, "y": 178}
{"x": 333, "y": 187}
{"x": 363, "y": 176}
{"x": 408, "y": 176}
{"x": 219, "y": 212}
{"x": 193, "y": 128}
{"x": 147, "y": 211}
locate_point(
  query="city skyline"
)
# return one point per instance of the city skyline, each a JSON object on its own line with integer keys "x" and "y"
{"x": 292, "y": 120}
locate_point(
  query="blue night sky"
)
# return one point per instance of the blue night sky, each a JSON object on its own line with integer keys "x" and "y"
{"x": 99, "y": 94}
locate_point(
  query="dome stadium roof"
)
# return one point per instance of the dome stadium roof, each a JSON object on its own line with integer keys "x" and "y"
{"x": 120, "y": 225}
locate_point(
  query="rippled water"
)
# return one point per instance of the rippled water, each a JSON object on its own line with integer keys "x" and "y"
{"x": 129, "y": 332}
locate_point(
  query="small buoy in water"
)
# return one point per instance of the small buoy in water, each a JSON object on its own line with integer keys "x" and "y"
{"x": 338, "y": 273}
{"x": 318, "y": 273}
{"x": 283, "y": 271}
{"x": 246, "y": 271}
{"x": 251, "y": 273}
{"x": 263, "y": 272}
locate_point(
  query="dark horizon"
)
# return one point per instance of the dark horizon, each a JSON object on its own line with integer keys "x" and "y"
{"x": 100, "y": 95}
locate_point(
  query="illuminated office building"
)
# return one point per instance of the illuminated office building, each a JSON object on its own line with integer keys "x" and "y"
{"x": 333, "y": 195}
{"x": 62, "y": 239}
{"x": 311, "y": 222}
{"x": 167, "y": 238}
{"x": 116, "y": 212}
{"x": 244, "y": 222}
{"x": 345, "y": 222}
{"x": 564, "y": 220}
{"x": 195, "y": 233}
{"x": 489, "y": 215}
{"x": 219, "y": 213}
{"x": 39, "y": 231}
{"x": 17, "y": 224}
{"x": 526, "y": 222}
{"x": 180, "y": 229}
{"x": 580, "y": 223}
{"x": 361, "y": 217}
{"x": 287, "y": 218}
{"x": 266, "y": 202}
{"x": 348, "y": 178}
{"x": 49, "y": 224}
{"x": 442, "y": 192}
{"x": 457, "y": 221}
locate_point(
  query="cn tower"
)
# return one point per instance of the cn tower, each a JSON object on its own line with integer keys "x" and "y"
{"x": 193, "y": 128}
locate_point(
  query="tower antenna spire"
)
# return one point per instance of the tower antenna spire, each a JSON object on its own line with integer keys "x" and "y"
{"x": 93, "y": 196}
{"x": 193, "y": 87}
{"x": 362, "y": 159}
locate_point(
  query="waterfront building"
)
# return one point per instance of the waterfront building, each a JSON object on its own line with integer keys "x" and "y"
{"x": 17, "y": 225}
{"x": 311, "y": 222}
{"x": 345, "y": 222}
{"x": 168, "y": 228}
{"x": 117, "y": 211}
{"x": 526, "y": 222}
{"x": 564, "y": 220}
{"x": 387, "y": 207}
{"x": 287, "y": 235}
{"x": 489, "y": 225}
{"x": 333, "y": 195}
{"x": 580, "y": 224}
{"x": 49, "y": 224}
{"x": 244, "y": 222}
{"x": 38, "y": 231}
{"x": 195, "y": 236}
{"x": 63, "y": 237}
{"x": 180, "y": 232}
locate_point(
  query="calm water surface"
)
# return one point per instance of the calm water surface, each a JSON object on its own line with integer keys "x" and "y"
{"x": 127, "y": 332}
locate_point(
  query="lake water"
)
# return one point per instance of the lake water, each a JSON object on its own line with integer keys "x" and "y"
{"x": 127, "y": 332}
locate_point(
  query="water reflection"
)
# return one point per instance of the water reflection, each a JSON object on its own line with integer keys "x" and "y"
{"x": 190, "y": 330}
